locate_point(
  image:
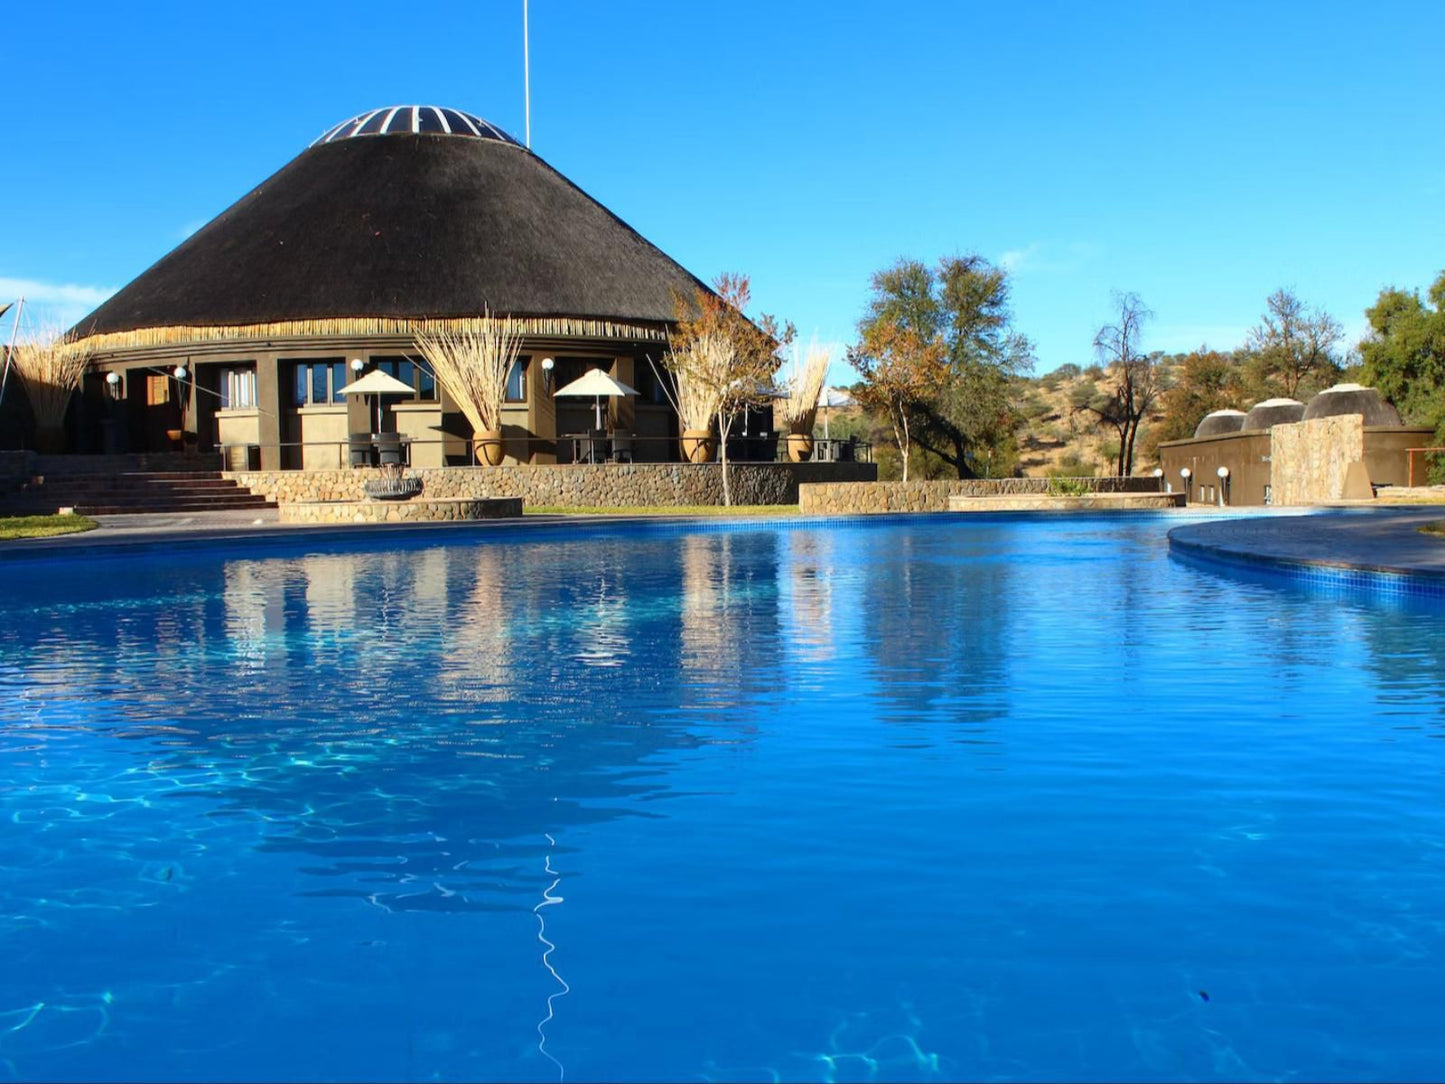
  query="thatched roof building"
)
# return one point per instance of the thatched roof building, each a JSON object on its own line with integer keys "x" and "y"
{"x": 396, "y": 221}
{"x": 399, "y": 215}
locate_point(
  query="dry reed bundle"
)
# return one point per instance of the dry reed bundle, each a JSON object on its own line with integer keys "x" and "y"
{"x": 703, "y": 372}
{"x": 801, "y": 407}
{"x": 472, "y": 363}
{"x": 50, "y": 366}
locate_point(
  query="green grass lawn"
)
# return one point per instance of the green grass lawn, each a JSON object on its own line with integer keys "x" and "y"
{"x": 42, "y": 526}
{"x": 668, "y": 510}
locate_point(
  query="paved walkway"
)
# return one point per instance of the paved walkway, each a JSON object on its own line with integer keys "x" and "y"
{"x": 1368, "y": 539}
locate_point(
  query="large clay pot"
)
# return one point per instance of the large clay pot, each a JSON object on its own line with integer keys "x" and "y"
{"x": 800, "y": 447}
{"x": 488, "y": 447}
{"x": 698, "y": 445}
{"x": 50, "y": 440}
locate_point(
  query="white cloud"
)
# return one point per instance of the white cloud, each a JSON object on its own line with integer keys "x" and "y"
{"x": 51, "y": 304}
{"x": 1040, "y": 258}
{"x": 1014, "y": 259}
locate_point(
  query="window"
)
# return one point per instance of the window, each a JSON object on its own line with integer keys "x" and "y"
{"x": 319, "y": 382}
{"x": 238, "y": 388}
{"x": 413, "y": 372}
{"x": 517, "y": 380}
{"x": 650, "y": 389}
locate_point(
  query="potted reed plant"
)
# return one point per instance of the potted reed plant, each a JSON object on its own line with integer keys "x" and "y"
{"x": 471, "y": 361}
{"x": 800, "y": 409}
{"x": 50, "y": 367}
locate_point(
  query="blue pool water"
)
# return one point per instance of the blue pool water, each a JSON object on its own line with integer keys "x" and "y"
{"x": 930, "y": 799}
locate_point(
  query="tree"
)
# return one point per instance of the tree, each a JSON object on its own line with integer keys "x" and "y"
{"x": 955, "y": 324}
{"x": 1403, "y": 356}
{"x": 1134, "y": 377}
{"x": 1205, "y": 381}
{"x": 1293, "y": 346}
{"x": 723, "y": 359}
{"x": 900, "y": 368}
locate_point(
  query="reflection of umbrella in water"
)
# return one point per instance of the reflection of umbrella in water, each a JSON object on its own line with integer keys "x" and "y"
{"x": 596, "y": 383}
{"x": 378, "y": 383}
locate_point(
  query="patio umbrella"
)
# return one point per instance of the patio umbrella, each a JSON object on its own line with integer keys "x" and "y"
{"x": 595, "y": 383}
{"x": 378, "y": 383}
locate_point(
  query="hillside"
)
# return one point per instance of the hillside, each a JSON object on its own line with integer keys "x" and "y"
{"x": 1058, "y": 438}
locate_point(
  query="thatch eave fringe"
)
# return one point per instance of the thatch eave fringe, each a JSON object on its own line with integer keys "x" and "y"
{"x": 365, "y": 326}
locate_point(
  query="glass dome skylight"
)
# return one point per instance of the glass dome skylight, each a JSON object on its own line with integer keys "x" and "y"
{"x": 414, "y": 120}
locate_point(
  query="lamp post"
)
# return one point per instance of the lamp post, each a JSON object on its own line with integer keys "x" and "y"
{"x": 1186, "y": 474}
{"x": 547, "y": 364}
{"x": 1160, "y": 481}
{"x": 1223, "y": 473}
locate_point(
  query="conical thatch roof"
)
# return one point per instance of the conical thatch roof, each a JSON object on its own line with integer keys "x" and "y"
{"x": 392, "y": 220}
{"x": 1352, "y": 399}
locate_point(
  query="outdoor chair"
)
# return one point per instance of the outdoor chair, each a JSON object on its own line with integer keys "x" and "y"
{"x": 622, "y": 448}
{"x": 359, "y": 447}
{"x": 388, "y": 449}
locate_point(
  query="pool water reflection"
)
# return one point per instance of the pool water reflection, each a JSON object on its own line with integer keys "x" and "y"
{"x": 924, "y": 800}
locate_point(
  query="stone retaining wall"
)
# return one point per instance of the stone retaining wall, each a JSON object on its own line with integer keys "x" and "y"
{"x": 1093, "y": 502}
{"x": 848, "y": 499}
{"x": 603, "y": 485}
{"x": 1309, "y": 459}
{"x": 412, "y": 511}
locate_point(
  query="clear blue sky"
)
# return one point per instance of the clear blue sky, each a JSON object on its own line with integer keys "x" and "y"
{"x": 1199, "y": 154}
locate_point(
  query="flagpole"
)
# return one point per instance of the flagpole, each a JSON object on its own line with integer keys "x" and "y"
{"x": 10, "y": 353}
{"x": 527, "y": 74}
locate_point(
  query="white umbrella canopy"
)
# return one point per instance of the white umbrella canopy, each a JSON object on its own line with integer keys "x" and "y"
{"x": 378, "y": 383}
{"x": 596, "y": 383}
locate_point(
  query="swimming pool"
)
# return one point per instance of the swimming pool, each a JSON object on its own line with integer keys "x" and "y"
{"x": 914, "y": 799}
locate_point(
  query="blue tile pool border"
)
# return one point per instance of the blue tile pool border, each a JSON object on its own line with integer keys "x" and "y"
{"x": 1392, "y": 582}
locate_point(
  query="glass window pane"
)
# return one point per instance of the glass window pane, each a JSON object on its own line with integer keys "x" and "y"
{"x": 338, "y": 381}
{"x": 426, "y": 382}
{"x": 429, "y": 120}
{"x": 373, "y": 126}
{"x": 303, "y": 378}
{"x": 517, "y": 381}
{"x": 318, "y": 383}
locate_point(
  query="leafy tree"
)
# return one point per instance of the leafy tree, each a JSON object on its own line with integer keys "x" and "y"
{"x": 900, "y": 367}
{"x": 1134, "y": 377}
{"x": 956, "y": 322}
{"x": 1293, "y": 346}
{"x": 1403, "y": 356}
{"x": 1203, "y": 382}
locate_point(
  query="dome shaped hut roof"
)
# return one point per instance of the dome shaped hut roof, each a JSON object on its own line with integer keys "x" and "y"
{"x": 398, "y": 215}
{"x": 1271, "y": 412}
{"x": 1220, "y": 422}
{"x": 1352, "y": 399}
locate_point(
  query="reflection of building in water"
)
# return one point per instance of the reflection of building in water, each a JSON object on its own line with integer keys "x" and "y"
{"x": 805, "y": 596}
{"x": 476, "y": 655}
{"x": 704, "y": 603}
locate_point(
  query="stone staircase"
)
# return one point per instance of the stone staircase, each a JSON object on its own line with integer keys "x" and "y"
{"x": 112, "y": 493}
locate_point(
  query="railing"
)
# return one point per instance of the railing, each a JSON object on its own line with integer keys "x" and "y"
{"x": 403, "y": 451}
{"x": 1410, "y": 462}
